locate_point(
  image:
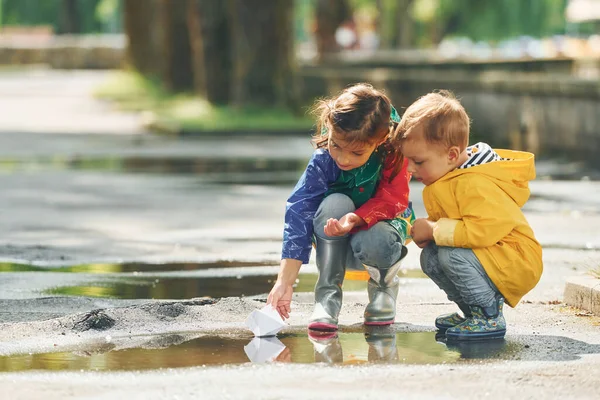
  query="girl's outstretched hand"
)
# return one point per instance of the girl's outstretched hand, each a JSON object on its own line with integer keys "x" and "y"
{"x": 280, "y": 298}
{"x": 342, "y": 226}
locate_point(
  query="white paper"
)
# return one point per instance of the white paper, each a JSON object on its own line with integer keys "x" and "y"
{"x": 264, "y": 349}
{"x": 265, "y": 322}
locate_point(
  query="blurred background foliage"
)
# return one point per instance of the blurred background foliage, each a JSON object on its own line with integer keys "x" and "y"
{"x": 64, "y": 16}
{"x": 243, "y": 54}
{"x": 431, "y": 20}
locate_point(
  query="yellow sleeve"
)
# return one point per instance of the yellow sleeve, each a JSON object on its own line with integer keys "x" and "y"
{"x": 443, "y": 232}
{"x": 488, "y": 215}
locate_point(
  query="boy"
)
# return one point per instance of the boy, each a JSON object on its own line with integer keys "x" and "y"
{"x": 477, "y": 245}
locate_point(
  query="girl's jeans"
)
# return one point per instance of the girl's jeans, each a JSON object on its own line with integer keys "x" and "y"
{"x": 380, "y": 246}
{"x": 458, "y": 272}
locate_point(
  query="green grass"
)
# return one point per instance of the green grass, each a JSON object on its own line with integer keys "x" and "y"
{"x": 595, "y": 272}
{"x": 132, "y": 92}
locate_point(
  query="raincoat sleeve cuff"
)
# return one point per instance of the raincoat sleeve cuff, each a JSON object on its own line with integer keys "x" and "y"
{"x": 367, "y": 216}
{"x": 443, "y": 232}
{"x": 301, "y": 255}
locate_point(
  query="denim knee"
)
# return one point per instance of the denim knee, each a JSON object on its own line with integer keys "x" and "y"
{"x": 465, "y": 270}
{"x": 444, "y": 255}
{"x": 457, "y": 262}
{"x": 335, "y": 206}
{"x": 380, "y": 246}
{"x": 429, "y": 260}
{"x": 454, "y": 259}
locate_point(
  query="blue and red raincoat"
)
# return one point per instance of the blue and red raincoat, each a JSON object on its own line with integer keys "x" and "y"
{"x": 375, "y": 197}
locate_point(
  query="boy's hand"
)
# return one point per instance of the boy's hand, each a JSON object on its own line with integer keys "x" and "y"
{"x": 422, "y": 231}
{"x": 343, "y": 226}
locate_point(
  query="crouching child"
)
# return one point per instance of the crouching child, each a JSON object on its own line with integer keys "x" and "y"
{"x": 477, "y": 244}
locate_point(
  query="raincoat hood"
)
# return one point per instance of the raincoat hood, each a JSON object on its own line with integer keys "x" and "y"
{"x": 512, "y": 174}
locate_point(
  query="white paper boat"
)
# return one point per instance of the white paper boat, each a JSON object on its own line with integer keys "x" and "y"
{"x": 265, "y": 322}
{"x": 264, "y": 349}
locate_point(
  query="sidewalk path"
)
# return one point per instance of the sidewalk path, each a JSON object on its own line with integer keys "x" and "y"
{"x": 53, "y": 101}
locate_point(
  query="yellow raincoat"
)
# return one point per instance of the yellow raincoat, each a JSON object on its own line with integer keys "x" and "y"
{"x": 480, "y": 208}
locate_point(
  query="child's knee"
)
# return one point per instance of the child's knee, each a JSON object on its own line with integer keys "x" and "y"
{"x": 335, "y": 206}
{"x": 454, "y": 258}
{"x": 378, "y": 246}
{"x": 429, "y": 260}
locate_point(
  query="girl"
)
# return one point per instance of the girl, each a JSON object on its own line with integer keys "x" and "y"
{"x": 346, "y": 203}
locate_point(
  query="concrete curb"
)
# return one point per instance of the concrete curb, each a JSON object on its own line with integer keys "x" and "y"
{"x": 583, "y": 292}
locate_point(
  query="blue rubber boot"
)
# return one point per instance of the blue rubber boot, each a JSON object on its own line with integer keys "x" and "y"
{"x": 447, "y": 321}
{"x": 484, "y": 323}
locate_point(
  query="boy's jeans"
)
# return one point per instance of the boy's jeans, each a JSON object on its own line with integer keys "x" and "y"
{"x": 458, "y": 272}
{"x": 380, "y": 246}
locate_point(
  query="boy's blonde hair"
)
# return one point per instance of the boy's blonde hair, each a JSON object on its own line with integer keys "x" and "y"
{"x": 441, "y": 118}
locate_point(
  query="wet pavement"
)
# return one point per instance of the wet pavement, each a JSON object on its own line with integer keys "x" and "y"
{"x": 117, "y": 221}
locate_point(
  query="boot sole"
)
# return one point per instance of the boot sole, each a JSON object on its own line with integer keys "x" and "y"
{"x": 444, "y": 327}
{"x": 476, "y": 335}
{"x": 321, "y": 335}
{"x": 322, "y": 326}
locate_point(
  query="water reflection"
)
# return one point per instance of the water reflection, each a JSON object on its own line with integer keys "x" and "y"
{"x": 342, "y": 349}
{"x": 182, "y": 287}
{"x": 179, "y": 280}
{"x": 189, "y": 287}
{"x": 376, "y": 345}
{"x": 480, "y": 349}
{"x": 147, "y": 268}
{"x": 172, "y": 288}
{"x": 107, "y": 268}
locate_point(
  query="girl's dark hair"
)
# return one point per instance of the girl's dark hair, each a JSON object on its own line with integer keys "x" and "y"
{"x": 361, "y": 115}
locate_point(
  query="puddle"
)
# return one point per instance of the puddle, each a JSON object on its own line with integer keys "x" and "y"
{"x": 375, "y": 347}
{"x": 172, "y": 288}
{"x": 178, "y": 280}
{"x": 279, "y": 168}
{"x": 128, "y": 267}
{"x": 190, "y": 287}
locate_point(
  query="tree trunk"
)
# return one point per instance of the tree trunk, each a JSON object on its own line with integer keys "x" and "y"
{"x": 175, "y": 45}
{"x": 329, "y": 15}
{"x": 263, "y": 52}
{"x": 383, "y": 28}
{"x": 211, "y": 49}
{"x": 406, "y": 26}
{"x": 69, "y": 17}
{"x": 140, "y": 21}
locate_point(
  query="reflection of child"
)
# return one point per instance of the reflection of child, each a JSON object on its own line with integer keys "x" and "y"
{"x": 477, "y": 245}
{"x": 346, "y": 203}
{"x": 328, "y": 348}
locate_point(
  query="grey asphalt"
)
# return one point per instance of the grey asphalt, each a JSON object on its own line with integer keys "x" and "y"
{"x": 56, "y": 211}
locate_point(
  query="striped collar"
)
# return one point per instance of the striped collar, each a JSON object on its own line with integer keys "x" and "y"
{"x": 480, "y": 153}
